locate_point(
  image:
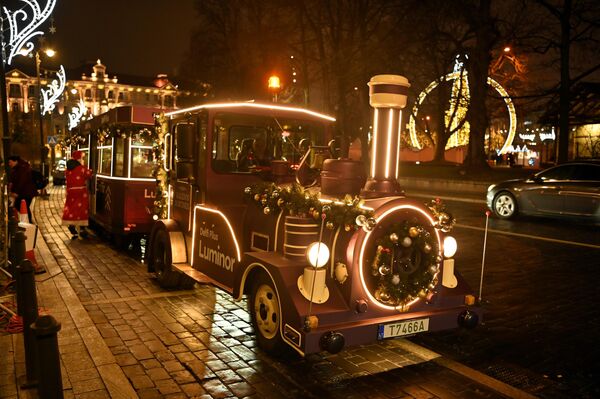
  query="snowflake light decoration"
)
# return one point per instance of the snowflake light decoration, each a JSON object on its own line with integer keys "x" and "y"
{"x": 20, "y": 36}
{"x": 76, "y": 114}
{"x": 55, "y": 89}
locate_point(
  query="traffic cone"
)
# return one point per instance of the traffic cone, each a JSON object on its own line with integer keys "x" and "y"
{"x": 23, "y": 215}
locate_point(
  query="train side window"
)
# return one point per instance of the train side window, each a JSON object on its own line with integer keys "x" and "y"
{"x": 105, "y": 159}
{"x": 119, "y": 157}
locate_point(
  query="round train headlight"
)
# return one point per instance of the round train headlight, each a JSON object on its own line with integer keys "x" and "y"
{"x": 317, "y": 254}
{"x": 450, "y": 246}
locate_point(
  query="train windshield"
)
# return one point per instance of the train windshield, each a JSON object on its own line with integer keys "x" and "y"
{"x": 242, "y": 142}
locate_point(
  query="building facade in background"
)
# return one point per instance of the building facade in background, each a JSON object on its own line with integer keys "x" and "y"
{"x": 99, "y": 90}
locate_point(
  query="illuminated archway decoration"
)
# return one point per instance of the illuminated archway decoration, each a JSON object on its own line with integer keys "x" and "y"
{"x": 454, "y": 76}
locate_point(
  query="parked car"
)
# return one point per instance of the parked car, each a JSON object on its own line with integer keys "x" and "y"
{"x": 570, "y": 190}
{"x": 58, "y": 173}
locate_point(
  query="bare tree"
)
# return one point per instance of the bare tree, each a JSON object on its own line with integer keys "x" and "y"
{"x": 578, "y": 25}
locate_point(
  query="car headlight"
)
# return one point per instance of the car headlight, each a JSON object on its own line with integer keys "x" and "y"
{"x": 450, "y": 246}
{"x": 317, "y": 254}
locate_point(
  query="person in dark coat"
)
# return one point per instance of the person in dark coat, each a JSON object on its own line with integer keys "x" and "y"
{"x": 75, "y": 214}
{"x": 21, "y": 185}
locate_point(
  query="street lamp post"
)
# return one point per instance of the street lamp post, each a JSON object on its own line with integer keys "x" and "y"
{"x": 49, "y": 53}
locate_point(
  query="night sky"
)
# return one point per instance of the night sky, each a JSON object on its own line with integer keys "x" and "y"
{"x": 135, "y": 37}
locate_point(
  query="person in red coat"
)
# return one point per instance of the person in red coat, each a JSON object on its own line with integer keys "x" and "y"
{"x": 76, "y": 211}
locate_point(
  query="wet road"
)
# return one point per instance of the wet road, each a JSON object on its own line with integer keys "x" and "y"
{"x": 540, "y": 294}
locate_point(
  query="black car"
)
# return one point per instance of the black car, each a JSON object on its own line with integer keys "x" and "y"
{"x": 58, "y": 174}
{"x": 569, "y": 190}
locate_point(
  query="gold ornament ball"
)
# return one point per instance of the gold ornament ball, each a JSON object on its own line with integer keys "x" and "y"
{"x": 329, "y": 225}
{"x": 395, "y": 279}
{"x": 263, "y": 201}
{"x": 384, "y": 296}
{"x": 394, "y": 238}
{"x": 347, "y": 227}
{"x": 361, "y": 220}
{"x": 256, "y": 197}
{"x": 248, "y": 190}
{"x": 266, "y": 210}
{"x": 406, "y": 242}
{"x": 280, "y": 202}
{"x": 426, "y": 248}
{"x": 316, "y": 214}
{"x": 413, "y": 232}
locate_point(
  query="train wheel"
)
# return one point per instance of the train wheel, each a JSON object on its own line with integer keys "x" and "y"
{"x": 265, "y": 312}
{"x": 161, "y": 260}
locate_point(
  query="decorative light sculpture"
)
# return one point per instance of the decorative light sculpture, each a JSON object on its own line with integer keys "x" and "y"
{"x": 76, "y": 114}
{"x": 20, "y": 36}
{"x": 55, "y": 89}
{"x": 456, "y": 76}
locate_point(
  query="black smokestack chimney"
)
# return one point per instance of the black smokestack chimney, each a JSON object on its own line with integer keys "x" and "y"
{"x": 387, "y": 95}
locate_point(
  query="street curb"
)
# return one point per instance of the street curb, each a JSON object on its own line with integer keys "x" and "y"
{"x": 440, "y": 185}
{"x": 110, "y": 372}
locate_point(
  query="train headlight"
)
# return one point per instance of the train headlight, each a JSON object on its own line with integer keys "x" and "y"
{"x": 450, "y": 246}
{"x": 317, "y": 254}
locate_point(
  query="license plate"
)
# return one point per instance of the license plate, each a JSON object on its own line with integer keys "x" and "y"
{"x": 402, "y": 328}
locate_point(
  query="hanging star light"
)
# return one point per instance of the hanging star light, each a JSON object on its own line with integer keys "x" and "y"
{"x": 55, "y": 89}
{"x": 76, "y": 114}
{"x": 20, "y": 36}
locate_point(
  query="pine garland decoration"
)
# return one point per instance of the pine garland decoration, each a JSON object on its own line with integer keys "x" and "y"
{"x": 298, "y": 201}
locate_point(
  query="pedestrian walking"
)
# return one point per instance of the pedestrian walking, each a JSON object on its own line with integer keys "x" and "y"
{"x": 21, "y": 185}
{"x": 76, "y": 212}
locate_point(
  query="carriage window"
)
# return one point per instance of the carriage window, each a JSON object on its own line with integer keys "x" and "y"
{"x": 142, "y": 161}
{"x": 85, "y": 148}
{"x": 119, "y": 156}
{"x": 242, "y": 143}
{"x": 105, "y": 160}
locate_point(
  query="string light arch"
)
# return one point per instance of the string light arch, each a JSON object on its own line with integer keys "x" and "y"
{"x": 510, "y": 106}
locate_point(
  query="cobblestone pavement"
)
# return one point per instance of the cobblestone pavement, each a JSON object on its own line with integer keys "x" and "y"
{"x": 124, "y": 336}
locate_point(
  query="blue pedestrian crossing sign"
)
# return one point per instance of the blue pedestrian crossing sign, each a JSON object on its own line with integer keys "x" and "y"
{"x": 52, "y": 140}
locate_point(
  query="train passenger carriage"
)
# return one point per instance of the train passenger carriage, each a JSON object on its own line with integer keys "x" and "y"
{"x": 264, "y": 202}
{"x": 120, "y": 146}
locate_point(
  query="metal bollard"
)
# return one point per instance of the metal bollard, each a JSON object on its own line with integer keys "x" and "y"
{"x": 18, "y": 247}
{"x": 50, "y": 382}
{"x": 29, "y": 314}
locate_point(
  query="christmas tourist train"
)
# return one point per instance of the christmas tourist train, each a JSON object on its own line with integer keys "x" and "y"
{"x": 261, "y": 200}
{"x": 120, "y": 150}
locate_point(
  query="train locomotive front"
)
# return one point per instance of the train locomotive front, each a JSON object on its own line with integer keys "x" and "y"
{"x": 353, "y": 269}
{"x": 326, "y": 260}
